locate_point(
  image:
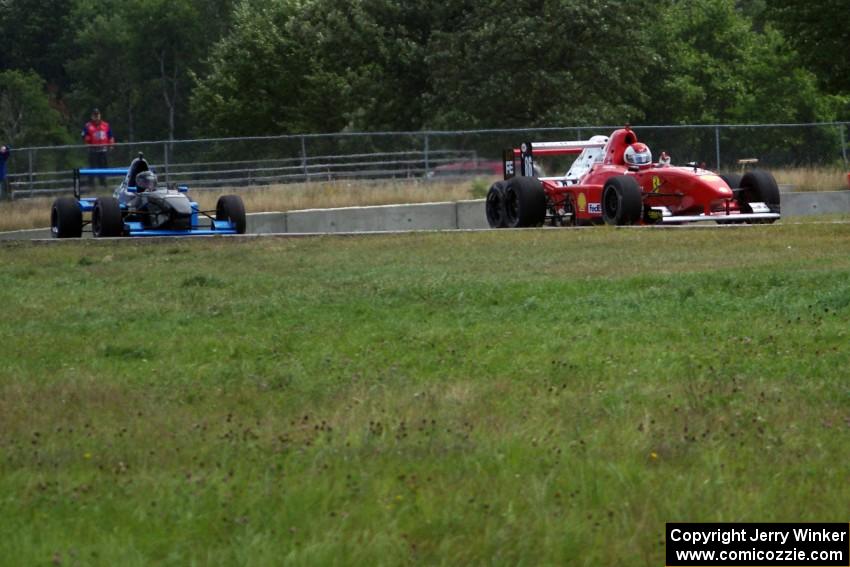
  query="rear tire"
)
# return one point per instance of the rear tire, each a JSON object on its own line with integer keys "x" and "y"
{"x": 231, "y": 207}
{"x": 622, "y": 201}
{"x": 66, "y": 218}
{"x": 106, "y": 220}
{"x": 525, "y": 202}
{"x": 495, "y": 205}
{"x": 758, "y": 186}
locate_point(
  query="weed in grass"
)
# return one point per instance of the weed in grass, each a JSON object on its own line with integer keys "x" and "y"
{"x": 127, "y": 352}
{"x": 202, "y": 280}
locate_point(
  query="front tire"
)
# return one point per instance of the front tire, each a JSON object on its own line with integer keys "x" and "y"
{"x": 622, "y": 201}
{"x": 758, "y": 186}
{"x": 66, "y": 218}
{"x": 106, "y": 220}
{"x": 231, "y": 208}
{"x": 525, "y": 202}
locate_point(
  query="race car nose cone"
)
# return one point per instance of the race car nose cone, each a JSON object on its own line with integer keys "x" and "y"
{"x": 719, "y": 186}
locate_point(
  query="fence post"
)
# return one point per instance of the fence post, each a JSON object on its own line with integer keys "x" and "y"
{"x": 304, "y": 159}
{"x": 30, "y": 173}
{"x": 165, "y": 160}
{"x": 425, "y": 155}
{"x": 717, "y": 144}
{"x": 844, "y": 144}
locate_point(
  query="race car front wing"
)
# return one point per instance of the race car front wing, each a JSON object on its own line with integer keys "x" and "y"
{"x": 761, "y": 212}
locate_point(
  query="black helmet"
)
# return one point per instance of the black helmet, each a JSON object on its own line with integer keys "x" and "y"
{"x": 146, "y": 181}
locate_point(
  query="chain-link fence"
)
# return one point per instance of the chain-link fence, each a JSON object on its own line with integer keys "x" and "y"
{"x": 245, "y": 162}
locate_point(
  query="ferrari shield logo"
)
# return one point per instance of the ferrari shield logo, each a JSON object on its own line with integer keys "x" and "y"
{"x": 582, "y": 202}
{"x": 656, "y": 183}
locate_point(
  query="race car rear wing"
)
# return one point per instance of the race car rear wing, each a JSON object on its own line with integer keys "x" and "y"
{"x": 105, "y": 172}
{"x": 527, "y": 150}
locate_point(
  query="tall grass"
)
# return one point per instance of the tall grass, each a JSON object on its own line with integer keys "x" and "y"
{"x": 813, "y": 178}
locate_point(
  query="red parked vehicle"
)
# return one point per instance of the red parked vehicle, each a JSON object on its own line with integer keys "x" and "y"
{"x": 614, "y": 180}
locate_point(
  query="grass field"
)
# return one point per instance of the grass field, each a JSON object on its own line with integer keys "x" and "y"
{"x": 533, "y": 397}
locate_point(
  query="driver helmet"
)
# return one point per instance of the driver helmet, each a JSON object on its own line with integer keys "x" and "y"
{"x": 146, "y": 181}
{"x": 638, "y": 154}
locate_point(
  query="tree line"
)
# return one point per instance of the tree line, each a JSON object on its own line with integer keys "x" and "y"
{"x": 171, "y": 69}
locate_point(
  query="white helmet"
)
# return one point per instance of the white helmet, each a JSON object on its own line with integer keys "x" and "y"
{"x": 638, "y": 154}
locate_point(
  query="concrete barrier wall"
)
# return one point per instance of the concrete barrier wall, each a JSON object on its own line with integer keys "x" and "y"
{"x": 440, "y": 216}
{"x": 820, "y": 203}
{"x": 265, "y": 223}
{"x": 422, "y": 216}
{"x": 470, "y": 215}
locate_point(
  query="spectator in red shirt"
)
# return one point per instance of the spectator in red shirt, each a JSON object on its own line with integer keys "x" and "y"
{"x": 97, "y": 135}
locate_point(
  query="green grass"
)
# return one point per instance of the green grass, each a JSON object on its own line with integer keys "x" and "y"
{"x": 529, "y": 397}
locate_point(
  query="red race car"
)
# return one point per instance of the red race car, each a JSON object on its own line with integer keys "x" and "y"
{"x": 614, "y": 180}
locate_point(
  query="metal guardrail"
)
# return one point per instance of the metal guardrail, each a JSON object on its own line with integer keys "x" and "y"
{"x": 261, "y": 160}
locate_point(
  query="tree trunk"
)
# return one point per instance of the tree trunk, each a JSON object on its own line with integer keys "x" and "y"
{"x": 131, "y": 128}
{"x": 169, "y": 84}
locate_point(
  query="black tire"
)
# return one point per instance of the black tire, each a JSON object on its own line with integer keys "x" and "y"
{"x": 758, "y": 186}
{"x": 495, "y": 205}
{"x": 231, "y": 207}
{"x": 66, "y": 218}
{"x": 733, "y": 180}
{"x": 106, "y": 219}
{"x": 525, "y": 202}
{"x": 622, "y": 201}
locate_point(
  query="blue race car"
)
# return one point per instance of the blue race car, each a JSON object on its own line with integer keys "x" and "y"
{"x": 139, "y": 207}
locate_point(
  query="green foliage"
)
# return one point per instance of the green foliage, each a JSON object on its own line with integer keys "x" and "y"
{"x": 26, "y": 115}
{"x": 818, "y": 30}
{"x": 36, "y": 36}
{"x": 315, "y": 66}
{"x": 713, "y": 67}
{"x": 381, "y": 65}
{"x": 162, "y": 68}
{"x": 511, "y": 64}
{"x": 102, "y": 59}
{"x": 377, "y": 64}
{"x": 256, "y": 74}
{"x": 143, "y": 52}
